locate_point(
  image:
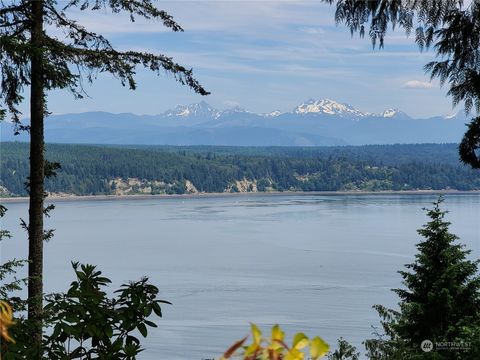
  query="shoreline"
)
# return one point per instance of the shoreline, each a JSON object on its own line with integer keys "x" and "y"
{"x": 239, "y": 194}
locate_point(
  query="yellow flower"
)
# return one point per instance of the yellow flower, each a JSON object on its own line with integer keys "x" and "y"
{"x": 6, "y": 320}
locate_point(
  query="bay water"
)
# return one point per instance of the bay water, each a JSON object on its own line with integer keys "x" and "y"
{"x": 311, "y": 263}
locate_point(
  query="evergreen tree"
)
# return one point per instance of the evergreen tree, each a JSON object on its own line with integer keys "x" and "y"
{"x": 31, "y": 55}
{"x": 451, "y": 27}
{"x": 440, "y": 302}
{"x": 344, "y": 351}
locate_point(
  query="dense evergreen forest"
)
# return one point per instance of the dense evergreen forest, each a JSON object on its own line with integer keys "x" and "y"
{"x": 95, "y": 170}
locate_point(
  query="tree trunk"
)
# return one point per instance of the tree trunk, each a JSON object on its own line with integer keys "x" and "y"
{"x": 37, "y": 169}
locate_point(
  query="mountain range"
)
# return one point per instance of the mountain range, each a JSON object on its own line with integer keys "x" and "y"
{"x": 321, "y": 122}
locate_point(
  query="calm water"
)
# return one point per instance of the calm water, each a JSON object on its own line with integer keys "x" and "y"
{"x": 311, "y": 263}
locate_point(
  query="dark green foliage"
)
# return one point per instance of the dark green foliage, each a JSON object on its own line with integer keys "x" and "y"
{"x": 382, "y": 154}
{"x": 263, "y": 184}
{"x": 344, "y": 351}
{"x": 440, "y": 301}
{"x": 470, "y": 145}
{"x": 84, "y": 323}
{"x": 88, "y": 170}
{"x": 451, "y": 27}
{"x": 9, "y": 283}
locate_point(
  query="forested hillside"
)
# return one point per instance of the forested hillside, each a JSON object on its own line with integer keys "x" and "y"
{"x": 95, "y": 170}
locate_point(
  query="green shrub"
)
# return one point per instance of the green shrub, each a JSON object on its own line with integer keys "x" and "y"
{"x": 84, "y": 323}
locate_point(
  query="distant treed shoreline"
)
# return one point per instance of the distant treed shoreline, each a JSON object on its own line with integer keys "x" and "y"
{"x": 88, "y": 170}
{"x": 55, "y": 198}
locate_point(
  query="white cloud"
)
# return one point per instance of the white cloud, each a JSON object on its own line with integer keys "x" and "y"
{"x": 417, "y": 84}
{"x": 312, "y": 30}
{"x": 245, "y": 17}
{"x": 265, "y": 54}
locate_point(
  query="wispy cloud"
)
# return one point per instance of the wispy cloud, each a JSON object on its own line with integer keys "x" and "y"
{"x": 417, "y": 84}
{"x": 263, "y": 54}
{"x": 312, "y": 30}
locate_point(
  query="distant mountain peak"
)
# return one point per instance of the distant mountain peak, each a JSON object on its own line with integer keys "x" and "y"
{"x": 450, "y": 116}
{"x": 392, "y": 112}
{"x": 234, "y": 110}
{"x": 313, "y": 123}
{"x": 328, "y": 106}
{"x": 388, "y": 113}
{"x": 273, "y": 113}
{"x": 202, "y": 109}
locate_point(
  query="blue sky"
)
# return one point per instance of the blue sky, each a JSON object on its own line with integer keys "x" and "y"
{"x": 262, "y": 56}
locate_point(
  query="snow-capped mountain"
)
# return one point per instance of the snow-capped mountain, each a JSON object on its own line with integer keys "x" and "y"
{"x": 232, "y": 111}
{"x": 202, "y": 109}
{"x": 320, "y": 122}
{"x": 310, "y": 107}
{"x": 273, "y": 113}
{"x": 451, "y": 116}
{"x": 389, "y": 113}
{"x": 327, "y": 106}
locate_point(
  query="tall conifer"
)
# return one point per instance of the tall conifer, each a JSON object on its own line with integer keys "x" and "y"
{"x": 439, "y": 304}
{"x": 31, "y": 55}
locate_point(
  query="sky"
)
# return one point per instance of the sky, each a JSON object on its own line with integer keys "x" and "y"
{"x": 262, "y": 56}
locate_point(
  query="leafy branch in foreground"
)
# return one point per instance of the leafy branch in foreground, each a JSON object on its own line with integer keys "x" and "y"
{"x": 9, "y": 283}
{"x": 275, "y": 348}
{"x": 84, "y": 323}
{"x": 6, "y": 321}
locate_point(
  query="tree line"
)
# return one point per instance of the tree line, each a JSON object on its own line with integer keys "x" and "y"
{"x": 90, "y": 170}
